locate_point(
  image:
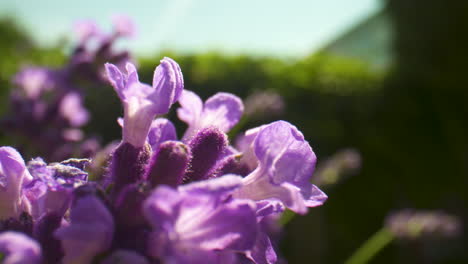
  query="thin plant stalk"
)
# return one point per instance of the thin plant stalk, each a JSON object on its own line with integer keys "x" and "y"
{"x": 371, "y": 247}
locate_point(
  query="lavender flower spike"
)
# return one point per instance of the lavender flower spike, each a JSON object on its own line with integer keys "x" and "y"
{"x": 222, "y": 110}
{"x": 123, "y": 25}
{"x": 142, "y": 102}
{"x": 19, "y": 249}
{"x": 13, "y": 175}
{"x": 71, "y": 108}
{"x": 89, "y": 233}
{"x": 285, "y": 164}
{"x": 195, "y": 225}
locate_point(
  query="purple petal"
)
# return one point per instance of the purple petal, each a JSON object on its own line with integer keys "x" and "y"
{"x": 116, "y": 79}
{"x": 222, "y": 110}
{"x": 51, "y": 189}
{"x": 123, "y": 25}
{"x": 245, "y": 145}
{"x": 88, "y": 233}
{"x": 283, "y": 152}
{"x": 217, "y": 187}
{"x": 268, "y": 207}
{"x": 34, "y": 80}
{"x": 12, "y": 173}
{"x": 142, "y": 102}
{"x": 72, "y": 109}
{"x": 316, "y": 198}
{"x": 159, "y": 206}
{"x": 85, "y": 29}
{"x": 286, "y": 163}
{"x": 132, "y": 74}
{"x": 230, "y": 226}
{"x": 161, "y": 130}
{"x": 192, "y": 108}
{"x": 19, "y": 248}
{"x": 258, "y": 187}
{"x": 193, "y": 222}
{"x": 263, "y": 251}
{"x": 168, "y": 83}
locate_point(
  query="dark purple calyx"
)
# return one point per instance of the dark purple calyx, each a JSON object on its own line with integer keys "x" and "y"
{"x": 207, "y": 147}
{"x": 229, "y": 165}
{"x": 169, "y": 164}
{"x": 43, "y": 232}
{"x": 128, "y": 165}
{"x": 128, "y": 206}
{"x": 23, "y": 223}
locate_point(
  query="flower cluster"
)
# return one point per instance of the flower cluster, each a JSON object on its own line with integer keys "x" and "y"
{"x": 52, "y": 99}
{"x": 409, "y": 224}
{"x": 197, "y": 199}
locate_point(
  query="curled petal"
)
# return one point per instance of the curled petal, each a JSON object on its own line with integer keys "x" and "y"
{"x": 89, "y": 233}
{"x": 168, "y": 83}
{"x": 192, "y": 107}
{"x": 195, "y": 224}
{"x": 222, "y": 110}
{"x": 116, "y": 79}
{"x": 285, "y": 165}
{"x": 284, "y": 154}
{"x": 19, "y": 248}
{"x": 12, "y": 173}
{"x": 142, "y": 102}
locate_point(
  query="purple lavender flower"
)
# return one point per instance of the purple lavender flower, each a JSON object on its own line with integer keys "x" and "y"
{"x": 264, "y": 104}
{"x": 52, "y": 186}
{"x": 184, "y": 231}
{"x": 244, "y": 144}
{"x": 123, "y": 26}
{"x": 263, "y": 250}
{"x": 19, "y": 249}
{"x": 222, "y": 110}
{"x": 71, "y": 108}
{"x": 86, "y": 29}
{"x": 13, "y": 175}
{"x": 285, "y": 165}
{"x": 342, "y": 164}
{"x": 89, "y": 233}
{"x": 413, "y": 224}
{"x": 34, "y": 81}
{"x": 142, "y": 102}
{"x": 196, "y": 212}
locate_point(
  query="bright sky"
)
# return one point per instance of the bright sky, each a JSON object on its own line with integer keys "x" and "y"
{"x": 267, "y": 27}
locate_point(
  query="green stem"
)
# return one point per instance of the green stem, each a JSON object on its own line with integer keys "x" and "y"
{"x": 287, "y": 216}
{"x": 371, "y": 247}
{"x": 238, "y": 127}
